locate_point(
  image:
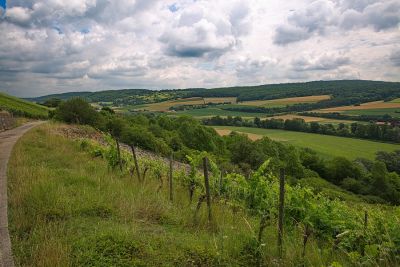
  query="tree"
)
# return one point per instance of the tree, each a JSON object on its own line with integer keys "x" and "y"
{"x": 76, "y": 110}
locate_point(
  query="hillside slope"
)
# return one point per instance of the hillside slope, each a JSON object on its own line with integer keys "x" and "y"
{"x": 22, "y": 107}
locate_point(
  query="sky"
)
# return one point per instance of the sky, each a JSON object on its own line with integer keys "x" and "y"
{"x": 53, "y": 46}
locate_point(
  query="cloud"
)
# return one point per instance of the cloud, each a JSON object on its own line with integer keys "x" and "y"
{"x": 324, "y": 62}
{"x": 302, "y": 24}
{"x": 320, "y": 15}
{"x": 395, "y": 57}
{"x": 202, "y": 30}
{"x": 380, "y": 16}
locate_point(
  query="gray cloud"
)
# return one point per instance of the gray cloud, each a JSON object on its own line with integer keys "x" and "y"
{"x": 380, "y": 16}
{"x": 319, "y": 15}
{"x": 321, "y": 63}
{"x": 395, "y": 57}
{"x": 302, "y": 24}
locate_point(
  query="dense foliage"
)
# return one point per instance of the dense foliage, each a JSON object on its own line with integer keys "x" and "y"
{"x": 374, "y": 131}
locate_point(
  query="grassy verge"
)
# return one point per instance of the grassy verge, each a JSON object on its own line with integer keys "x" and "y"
{"x": 69, "y": 209}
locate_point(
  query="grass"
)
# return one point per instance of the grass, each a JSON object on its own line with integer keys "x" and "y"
{"x": 69, "y": 209}
{"x": 325, "y": 145}
{"x": 22, "y": 107}
{"x": 394, "y": 112}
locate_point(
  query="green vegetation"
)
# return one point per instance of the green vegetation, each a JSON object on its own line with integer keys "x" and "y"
{"x": 20, "y": 107}
{"x": 328, "y": 146}
{"x": 69, "y": 208}
{"x": 393, "y": 112}
{"x": 373, "y": 131}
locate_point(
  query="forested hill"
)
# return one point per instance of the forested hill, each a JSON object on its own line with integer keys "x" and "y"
{"x": 341, "y": 89}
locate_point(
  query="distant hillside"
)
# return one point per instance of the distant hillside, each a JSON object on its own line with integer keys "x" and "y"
{"x": 22, "y": 107}
{"x": 352, "y": 90}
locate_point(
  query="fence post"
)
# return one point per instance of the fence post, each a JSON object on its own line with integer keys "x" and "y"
{"x": 171, "y": 196}
{"x": 281, "y": 210}
{"x": 136, "y": 161}
{"x": 207, "y": 185}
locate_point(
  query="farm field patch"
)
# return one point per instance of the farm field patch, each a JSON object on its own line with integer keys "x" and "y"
{"x": 311, "y": 119}
{"x": 286, "y": 101}
{"x": 164, "y": 106}
{"x": 325, "y": 145}
{"x": 365, "y": 106}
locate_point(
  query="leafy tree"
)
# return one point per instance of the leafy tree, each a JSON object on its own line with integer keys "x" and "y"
{"x": 76, "y": 110}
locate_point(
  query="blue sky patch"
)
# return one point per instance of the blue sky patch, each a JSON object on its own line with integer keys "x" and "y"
{"x": 173, "y": 7}
{"x": 3, "y": 4}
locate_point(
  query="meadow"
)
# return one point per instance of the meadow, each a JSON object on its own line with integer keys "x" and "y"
{"x": 394, "y": 112}
{"x": 327, "y": 146}
{"x": 21, "y": 107}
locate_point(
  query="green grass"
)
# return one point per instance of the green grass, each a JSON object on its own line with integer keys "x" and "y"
{"x": 207, "y": 112}
{"x": 397, "y": 100}
{"x": 394, "y": 112}
{"x": 69, "y": 209}
{"x": 21, "y": 107}
{"x": 325, "y": 145}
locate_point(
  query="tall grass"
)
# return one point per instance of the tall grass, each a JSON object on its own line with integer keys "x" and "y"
{"x": 69, "y": 209}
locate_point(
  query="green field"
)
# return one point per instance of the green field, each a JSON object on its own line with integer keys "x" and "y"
{"x": 394, "y": 112}
{"x": 325, "y": 145}
{"x": 21, "y": 107}
{"x": 209, "y": 112}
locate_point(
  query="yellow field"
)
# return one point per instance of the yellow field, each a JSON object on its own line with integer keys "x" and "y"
{"x": 286, "y": 101}
{"x": 364, "y": 106}
{"x": 310, "y": 119}
{"x": 223, "y": 132}
{"x": 164, "y": 106}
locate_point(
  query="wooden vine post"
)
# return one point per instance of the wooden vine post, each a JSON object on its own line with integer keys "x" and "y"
{"x": 281, "y": 210}
{"x": 365, "y": 233}
{"x": 207, "y": 186}
{"x": 119, "y": 154}
{"x": 171, "y": 195}
{"x": 136, "y": 161}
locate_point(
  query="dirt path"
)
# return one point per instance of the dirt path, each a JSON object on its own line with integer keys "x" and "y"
{"x": 7, "y": 141}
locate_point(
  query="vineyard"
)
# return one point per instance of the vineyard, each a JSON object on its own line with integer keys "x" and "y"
{"x": 21, "y": 107}
{"x": 128, "y": 211}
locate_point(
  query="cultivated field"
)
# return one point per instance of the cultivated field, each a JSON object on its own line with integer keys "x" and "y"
{"x": 311, "y": 119}
{"x": 394, "y": 112}
{"x": 164, "y": 106}
{"x": 286, "y": 101}
{"x": 326, "y": 145}
{"x": 365, "y": 106}
{"x": 210, "y": 112}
